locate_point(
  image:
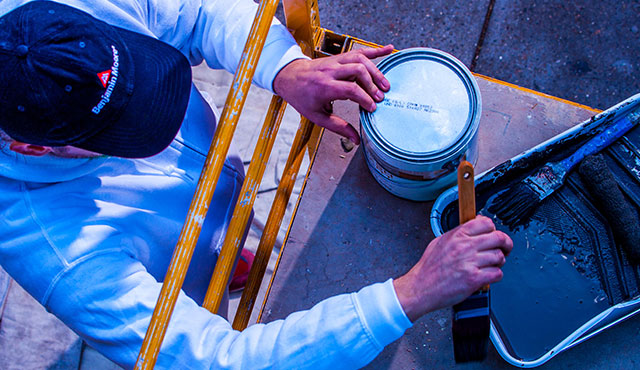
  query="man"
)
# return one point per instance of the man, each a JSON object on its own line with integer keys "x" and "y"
{"x": 105, "y": 138}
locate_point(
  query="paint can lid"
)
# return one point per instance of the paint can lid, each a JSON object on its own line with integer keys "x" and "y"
{"x": 432, "y": 106}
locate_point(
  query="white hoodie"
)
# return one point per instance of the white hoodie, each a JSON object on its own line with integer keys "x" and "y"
{"x": 90, "y": 239}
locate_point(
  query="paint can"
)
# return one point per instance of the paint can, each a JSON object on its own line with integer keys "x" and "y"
{"x": 426, "y": 124}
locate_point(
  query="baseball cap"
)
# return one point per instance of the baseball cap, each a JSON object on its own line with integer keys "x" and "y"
{"x": 67, "y": 78}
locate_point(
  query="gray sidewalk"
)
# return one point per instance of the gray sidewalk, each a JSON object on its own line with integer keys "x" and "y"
{"x": 584, "y": 51}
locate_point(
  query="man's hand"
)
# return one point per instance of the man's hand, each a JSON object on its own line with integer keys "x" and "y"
{"x": 311, "y": 86}
{"x": 453, "y": 266}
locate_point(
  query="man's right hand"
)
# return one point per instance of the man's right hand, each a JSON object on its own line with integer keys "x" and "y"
{"x": 453, "y": 266}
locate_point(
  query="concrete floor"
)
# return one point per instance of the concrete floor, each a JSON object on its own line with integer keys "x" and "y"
{"x": 583, "y": 51}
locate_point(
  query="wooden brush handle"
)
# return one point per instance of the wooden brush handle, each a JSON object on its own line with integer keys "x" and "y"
{"x": 466, "y": 192}
{"x": 467, "y": 197}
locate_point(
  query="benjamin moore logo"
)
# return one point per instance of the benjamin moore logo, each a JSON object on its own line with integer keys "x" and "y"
{"x": 104, "y": 77}
{"x": 108, "y": 79}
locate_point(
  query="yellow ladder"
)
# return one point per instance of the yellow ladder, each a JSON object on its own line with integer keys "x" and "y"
{"x": 303, "y": 20}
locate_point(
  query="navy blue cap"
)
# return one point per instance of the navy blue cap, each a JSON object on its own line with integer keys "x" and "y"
{"x": 68, "y": 78}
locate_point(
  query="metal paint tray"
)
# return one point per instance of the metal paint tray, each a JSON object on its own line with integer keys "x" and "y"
{"x": 565, "y": 280}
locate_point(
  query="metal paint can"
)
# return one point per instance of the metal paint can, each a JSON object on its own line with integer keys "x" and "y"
{"x": 426, "y": 124}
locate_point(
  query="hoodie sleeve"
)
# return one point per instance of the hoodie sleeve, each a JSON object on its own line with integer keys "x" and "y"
{"x": 216, "y": 31}
{"x": 211, "y": 30}
{"x": 112, "y": 309}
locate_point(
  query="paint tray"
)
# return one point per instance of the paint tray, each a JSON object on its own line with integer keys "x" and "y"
{"x": 566, "y": 279}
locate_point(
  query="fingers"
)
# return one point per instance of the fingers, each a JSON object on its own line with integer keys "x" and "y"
{"x": 379, "y": 78}
{"x": 357, "y": 66}
{"x": 343, "y": 90}
{"x": 370, "y": 68}
{"x": 310, "y": 86}
{"x": 492, "y": 240}
{"x": 490, "y": 258}
{"x": 339, "y": 126}
{"x": 479, "y": 225}
{"x": 373, "y": 53}
{"x": 488, "y": 246}
{"x": 360, "y": 74}
{"x": 489, "y": 275}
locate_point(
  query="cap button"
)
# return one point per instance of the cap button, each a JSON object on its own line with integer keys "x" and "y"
{"x": 22, "y": 51}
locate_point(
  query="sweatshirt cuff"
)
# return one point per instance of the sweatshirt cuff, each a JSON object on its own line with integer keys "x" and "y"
{"x": 381, "y": 313}
{"x": 289, "y": 56}
{"x": 273, "y": 59}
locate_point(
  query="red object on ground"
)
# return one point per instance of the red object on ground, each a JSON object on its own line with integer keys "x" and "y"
{"x": 240, "y": 276}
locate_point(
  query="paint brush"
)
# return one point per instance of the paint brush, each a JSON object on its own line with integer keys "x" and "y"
{"x": 514, "y": 206}
{"x": 470, "y": 326}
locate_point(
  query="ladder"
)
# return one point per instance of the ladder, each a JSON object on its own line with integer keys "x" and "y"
{"x": 302, "y": 19}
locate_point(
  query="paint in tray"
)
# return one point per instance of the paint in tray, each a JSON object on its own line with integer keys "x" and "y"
{"x": 566, "y": 268}
{"x": 551, "y": 284}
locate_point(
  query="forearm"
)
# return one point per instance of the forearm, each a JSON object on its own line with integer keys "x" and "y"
{"x": 113, "y": 310}
{"x": 344, "y": 331}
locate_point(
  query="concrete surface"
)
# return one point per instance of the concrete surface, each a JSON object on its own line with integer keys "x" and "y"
{"x": 452, "y": 26}
{"x": 31, "y": 338}
{"x": 583, "y": 51}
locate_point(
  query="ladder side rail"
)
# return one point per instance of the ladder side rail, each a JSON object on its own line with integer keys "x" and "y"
{"x": 303, "y": 21}
{"x": 244, "y": 205}
{"x": 206, "y": 185}
{"x": 272, "y": 226}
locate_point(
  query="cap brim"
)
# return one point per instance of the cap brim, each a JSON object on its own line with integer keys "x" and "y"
{"x": 154, "y": 114}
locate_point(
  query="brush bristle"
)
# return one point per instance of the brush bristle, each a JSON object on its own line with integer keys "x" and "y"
{"x": 514, "y": 206}
{"x": 471, "y": 327}
{"x": 471, "y": 345}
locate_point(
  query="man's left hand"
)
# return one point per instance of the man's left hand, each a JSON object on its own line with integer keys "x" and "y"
{"x": 311, "y": 86}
